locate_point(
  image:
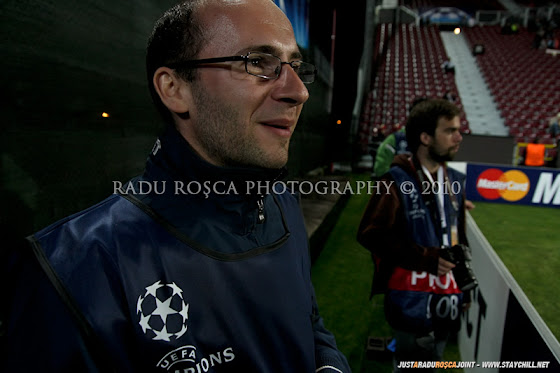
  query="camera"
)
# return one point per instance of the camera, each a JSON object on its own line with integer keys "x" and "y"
{"x": 460, "y": 255}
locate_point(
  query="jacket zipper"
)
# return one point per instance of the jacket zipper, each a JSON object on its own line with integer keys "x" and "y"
{"x": 260, "y": 204}
{"x": 260, "y": 201}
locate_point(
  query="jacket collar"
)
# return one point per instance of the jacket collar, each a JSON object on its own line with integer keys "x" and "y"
{"x": 174, "y": 155}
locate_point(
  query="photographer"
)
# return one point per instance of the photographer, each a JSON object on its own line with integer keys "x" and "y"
{"x": 184, "y": 280}
{"x": 413, "y": 227}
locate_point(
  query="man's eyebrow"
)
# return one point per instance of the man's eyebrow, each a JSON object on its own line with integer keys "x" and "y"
{"x": 272, "y": 50}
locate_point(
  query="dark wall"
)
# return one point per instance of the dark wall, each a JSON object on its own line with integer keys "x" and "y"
{"x": 486, "y": 149}
{"x": 63, "y": 64}
{"x": 348, "y": 48}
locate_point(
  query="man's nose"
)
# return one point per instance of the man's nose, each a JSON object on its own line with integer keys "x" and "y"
{"x": 290, "y": 87}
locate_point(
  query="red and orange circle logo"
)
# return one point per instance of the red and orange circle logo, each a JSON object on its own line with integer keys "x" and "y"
{"x": 511, "y": 185}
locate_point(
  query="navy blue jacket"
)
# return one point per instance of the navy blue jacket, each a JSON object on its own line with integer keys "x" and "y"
{"x": 166, "y": 277}
{"x": 416, "y": 301}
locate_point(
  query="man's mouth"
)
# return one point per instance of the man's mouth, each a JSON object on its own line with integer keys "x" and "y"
{"x": 280, "y": 128}
{"x": 275, "y": 126}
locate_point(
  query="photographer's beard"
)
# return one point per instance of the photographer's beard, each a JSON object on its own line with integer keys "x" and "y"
{"x": 441, "y": 156}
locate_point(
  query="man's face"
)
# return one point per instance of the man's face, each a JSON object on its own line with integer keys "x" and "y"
{"x": 238, "y": 119}
{"x": 446, "y": 140}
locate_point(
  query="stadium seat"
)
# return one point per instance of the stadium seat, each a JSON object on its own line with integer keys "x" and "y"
{"x": 410, "y": 68}
{"x": 528, "y": 90}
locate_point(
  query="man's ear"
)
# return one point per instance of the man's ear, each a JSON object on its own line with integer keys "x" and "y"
{"x": 173, "y": 91}
{"x": 425, "y": 139}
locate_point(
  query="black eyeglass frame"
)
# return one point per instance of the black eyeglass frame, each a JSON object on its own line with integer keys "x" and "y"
{"x": 245, "y": 58}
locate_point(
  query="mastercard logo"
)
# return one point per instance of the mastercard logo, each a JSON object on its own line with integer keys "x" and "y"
{"x": 511, "y": 185}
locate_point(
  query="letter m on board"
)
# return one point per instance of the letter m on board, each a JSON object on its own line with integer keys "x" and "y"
{"x": 547, "y": 190}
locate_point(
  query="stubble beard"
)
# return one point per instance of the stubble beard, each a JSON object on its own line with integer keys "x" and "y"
{"x": 222, "y": 135}
{"x": 440, "y": 158}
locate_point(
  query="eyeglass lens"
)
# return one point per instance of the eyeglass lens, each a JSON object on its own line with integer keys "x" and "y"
{"x": 269, "y": 66}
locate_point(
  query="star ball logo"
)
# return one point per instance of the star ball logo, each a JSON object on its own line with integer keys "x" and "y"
{"x": 511, "y": 185}
{"x": 163, "y": 312}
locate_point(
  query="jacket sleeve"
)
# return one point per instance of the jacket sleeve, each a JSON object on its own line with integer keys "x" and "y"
{"x": 383, "y": 231}
{"x": 328, "y": 358}
{"x": 40, "y": 332}
{"x": 384, "y": 156}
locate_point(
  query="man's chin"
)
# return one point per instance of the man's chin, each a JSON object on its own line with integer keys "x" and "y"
{"x": 274, "y": 163}
{"x": 276, "y": 158}
{"x": 271, "y": 161}
{"x": 441, "y": 158}
{"x": 452, "y": 153}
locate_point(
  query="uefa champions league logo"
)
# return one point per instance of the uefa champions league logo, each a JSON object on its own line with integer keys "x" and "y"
{"x": 163, "y": 312}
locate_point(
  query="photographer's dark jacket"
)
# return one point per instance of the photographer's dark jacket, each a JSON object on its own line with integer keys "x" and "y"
{"x": 165, "y": 277}
{"x": 401, "y": 227}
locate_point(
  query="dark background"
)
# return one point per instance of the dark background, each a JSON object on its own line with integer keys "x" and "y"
{"x": 65, "y": 62}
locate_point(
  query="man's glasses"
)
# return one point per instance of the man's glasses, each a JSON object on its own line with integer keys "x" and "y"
{"x": 263, "y": 65}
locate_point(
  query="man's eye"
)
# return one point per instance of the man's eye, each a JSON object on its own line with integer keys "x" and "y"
{"x": 256, "y": 62}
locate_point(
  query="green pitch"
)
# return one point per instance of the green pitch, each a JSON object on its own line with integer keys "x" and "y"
{"x": 527, "y": 239}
